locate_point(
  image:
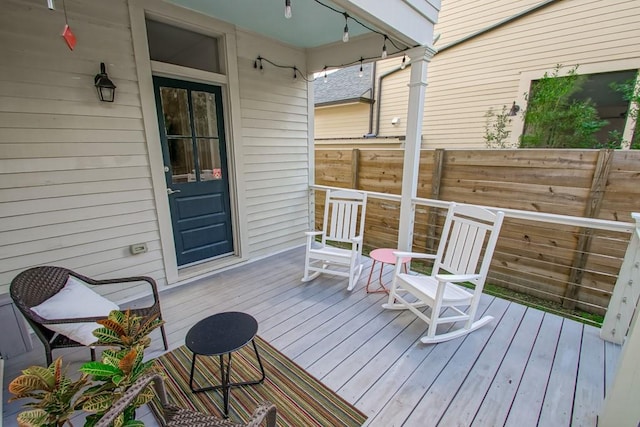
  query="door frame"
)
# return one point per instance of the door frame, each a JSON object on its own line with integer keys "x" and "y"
{"x": 229, "y": 81}
{"x": 200, "y": 187}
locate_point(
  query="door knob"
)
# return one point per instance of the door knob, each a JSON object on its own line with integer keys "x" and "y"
{"x": 170, "y": 191}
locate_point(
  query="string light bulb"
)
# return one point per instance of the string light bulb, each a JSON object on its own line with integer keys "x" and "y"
{"x": 325, "y": 74}
{"x": 361, "y": 73}
{"x": 404, "y": 62}
{"x": 345, "y": 34}
{"x": 384, "y": 48}
{"x": 287, "y": 9}
{"x": 258, "y": 63}
{"x": 295, "y": 73}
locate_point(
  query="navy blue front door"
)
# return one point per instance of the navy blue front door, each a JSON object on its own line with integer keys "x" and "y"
{"x": 195, "y": 157}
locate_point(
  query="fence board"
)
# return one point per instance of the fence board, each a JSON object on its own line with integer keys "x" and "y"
{"x": 531, "y": 257}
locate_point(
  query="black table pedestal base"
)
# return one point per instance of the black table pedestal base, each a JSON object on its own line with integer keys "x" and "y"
{"x": 225, "y": 374}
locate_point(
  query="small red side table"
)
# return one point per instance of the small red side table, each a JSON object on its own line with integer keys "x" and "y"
{"x": 384, "y": 256}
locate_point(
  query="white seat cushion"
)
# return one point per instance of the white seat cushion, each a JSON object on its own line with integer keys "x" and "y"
{"x": 428, "y": 286}
{"x": 75, "y": 299}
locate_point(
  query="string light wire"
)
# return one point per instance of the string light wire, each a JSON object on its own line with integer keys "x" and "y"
{"x": 347, "y": 17}
{"x": 345, "y": 38}
{"x": 296, "y": 71}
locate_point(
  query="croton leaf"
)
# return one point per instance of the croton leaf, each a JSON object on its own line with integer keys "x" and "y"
{"x": 92, "y": 420}
{"x": 144, "y": 397}
{"x": 111, "y": 325}
{"x": 32, "y": 418}
{"x": 118, "y": 316}
{"x": 151, "y": 323}
{"x": 119, "y": 421}
{"x": 142, "y": 368}
{"x": 45, "y": 374}
{"x": 128, "y": 361}
{"x": 57, "y": 372}
{"x": 106, "y": 336}
{"x": 133, "y": 423}
{"x": 24, "y": 384}
{"x": 117, "y": 379}
{"x": 110, "y": 358}
{"x": 99, "y": 402}
{"x": 98, "y": 369}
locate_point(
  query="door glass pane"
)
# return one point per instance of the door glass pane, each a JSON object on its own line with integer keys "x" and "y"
{"x": 204, "y": 111}
{"x": 209, "y": 159}
{"x": 182, "y": 164}
{"x": 175, "y": 107}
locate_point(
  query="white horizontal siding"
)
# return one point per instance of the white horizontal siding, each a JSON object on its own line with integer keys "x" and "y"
{"x": 342, "y": 121}
{"x": 458, "y": 19}
{"x": 484, "y": 72}
{"x": 75, "y": 186}
{"x": 39, "y": 178}
{"x": 10, "y": 120}
{"x": 467, "y": 80}
{"x": 394, "y": 103}
{"x": 274, "y": 146}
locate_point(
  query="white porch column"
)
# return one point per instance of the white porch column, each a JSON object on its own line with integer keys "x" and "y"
{"x": 419, "y": 58}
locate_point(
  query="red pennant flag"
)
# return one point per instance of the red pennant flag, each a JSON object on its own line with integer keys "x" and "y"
{"x": 69, "y": 37}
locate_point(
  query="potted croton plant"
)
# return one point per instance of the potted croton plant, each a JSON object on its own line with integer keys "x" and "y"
{"x": 55, "y": 397}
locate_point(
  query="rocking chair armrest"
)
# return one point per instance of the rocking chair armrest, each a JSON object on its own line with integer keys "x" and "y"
{"x": 357, "y": 239}
{"x": 456, "y": 277}
{"x": 313, "y": 233}
{"x": 418, "y": 255}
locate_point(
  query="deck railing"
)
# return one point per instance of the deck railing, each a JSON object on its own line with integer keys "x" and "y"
{"x": 626, "y": 294}
{"x": 611, "y": 236}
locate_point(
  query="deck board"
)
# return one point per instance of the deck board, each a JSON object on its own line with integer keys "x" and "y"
{"x": 470, "y": 394}
{"x": 394, "y": 410}
{"x": 446, "y": 385}
{"x": 558, "y": 400}
{"x": 524, "y": 368}
{"x": 528, "y": 401}
{"x": 495, "y": 405}
{"x": 589, "y": 392}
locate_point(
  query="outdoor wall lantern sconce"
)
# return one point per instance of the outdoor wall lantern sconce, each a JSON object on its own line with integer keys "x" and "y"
{"x": 105, "y": 87}
{"x": 514, "y": 109}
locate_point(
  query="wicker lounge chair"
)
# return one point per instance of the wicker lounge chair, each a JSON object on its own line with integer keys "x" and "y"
{"x": 34, "y": 286}
{"x": 175, "y": 416}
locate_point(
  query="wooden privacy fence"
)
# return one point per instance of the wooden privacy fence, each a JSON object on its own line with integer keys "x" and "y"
{"x": 573, "y": 265}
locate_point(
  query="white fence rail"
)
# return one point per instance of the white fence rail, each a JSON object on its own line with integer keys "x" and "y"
{"x": 626, "y": 293}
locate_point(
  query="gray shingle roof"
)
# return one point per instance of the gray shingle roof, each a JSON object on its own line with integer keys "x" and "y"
{"x": 344, "y": 85}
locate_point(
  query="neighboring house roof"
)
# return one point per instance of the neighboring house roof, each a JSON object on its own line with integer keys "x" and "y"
{"x": 344, "y": 86}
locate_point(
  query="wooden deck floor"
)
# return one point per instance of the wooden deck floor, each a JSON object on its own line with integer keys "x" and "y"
{"x": 526, "y": 368}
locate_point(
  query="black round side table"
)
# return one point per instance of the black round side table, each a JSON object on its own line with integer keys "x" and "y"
{"x": 221, "y": 334}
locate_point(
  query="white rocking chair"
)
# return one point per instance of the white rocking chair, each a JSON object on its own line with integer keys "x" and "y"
{"x": 343, "y": 225}
{"x": 464, "y": 254}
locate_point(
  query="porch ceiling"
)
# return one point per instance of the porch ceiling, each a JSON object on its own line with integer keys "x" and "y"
{"x": 319, "y": 29}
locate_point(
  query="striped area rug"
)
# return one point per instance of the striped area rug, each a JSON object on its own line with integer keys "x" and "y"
{"x": 300, "y": 399}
